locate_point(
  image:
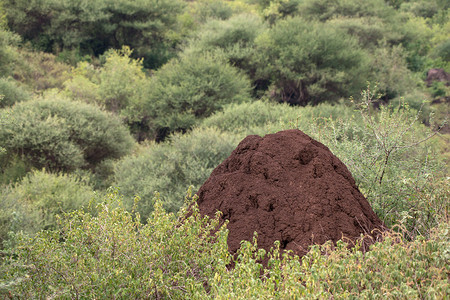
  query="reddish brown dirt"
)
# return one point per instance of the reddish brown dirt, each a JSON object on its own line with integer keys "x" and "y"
{"x": 287, "y": 187}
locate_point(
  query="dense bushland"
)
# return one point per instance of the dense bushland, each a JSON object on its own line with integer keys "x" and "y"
{"x": 113, "y": 254}
{"x": 87, "y": 27}
{"x": 188, "y": 80}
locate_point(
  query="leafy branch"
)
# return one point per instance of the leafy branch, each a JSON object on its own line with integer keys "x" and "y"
{"x": 392, "y": 127}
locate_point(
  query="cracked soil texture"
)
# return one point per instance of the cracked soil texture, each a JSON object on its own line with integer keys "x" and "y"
{"x": 287, "y": 187}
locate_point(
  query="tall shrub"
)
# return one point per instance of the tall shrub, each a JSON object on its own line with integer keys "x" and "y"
{"x": 34, "y": 203}
{"x": 61, "y": 135}
{"x": 234, "y": 38}
{"x": 92, "y": 27}
{"x": 109, "y": 85}
{"x": 189, "y": 89}
{"x": 171, "y": 167}
{"x": 310, "y": 62}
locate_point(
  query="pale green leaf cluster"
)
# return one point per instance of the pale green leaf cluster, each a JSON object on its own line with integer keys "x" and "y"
{"x": 109, "y": 86}
{"x": 34, "y": 203}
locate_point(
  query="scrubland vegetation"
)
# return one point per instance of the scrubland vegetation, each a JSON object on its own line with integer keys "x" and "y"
{"x": 111, "y": 110}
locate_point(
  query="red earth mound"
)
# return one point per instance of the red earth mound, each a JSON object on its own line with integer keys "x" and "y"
{"x": 287, "y": 187}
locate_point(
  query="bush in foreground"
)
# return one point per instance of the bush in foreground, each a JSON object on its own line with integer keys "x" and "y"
{"x": 114, "y": 255}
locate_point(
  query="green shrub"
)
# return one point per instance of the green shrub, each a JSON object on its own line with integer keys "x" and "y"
{"x": 421, "y": 40}
{"x": 32, "y": 204}
{"x": 392, "y": 269}
{"x": 94, "y": 27}
{"x": 171, "y": 167}
{"x": 439, "y": 89}
{"x": 443, "y": 51}
{"x": 8, "y": 51}
{"x": 392, "y": 164}
{"x": 109, "y": 85}
{"x": 115, "y": 90}
{"x": 416, "y": 100}
{"x": 2, "y": 16}
{"x": 40, "y": 71}
{"x": 371, "y": 31}
{"x": 184, "y": 91}
{"x": 204, "y": 10}
{"x": 234, "y": 39}
{"x": 273, "y": 10}
{"x": 13, "y": 168}
{"x": 263, "y": 117}
{"x": 83, "y": 84}
{"x": 114, "y": 255}
{"x": 324, "y": 10}
{"x": 28, "y": 18}
{"x": 390, "y": 72}
{"x": 12, "y": 92}
{"x": 425, "y": 9}
{"x": 310, "y": 62}
{"x": 61, "y": 135}
{"x": 249, "y": 118}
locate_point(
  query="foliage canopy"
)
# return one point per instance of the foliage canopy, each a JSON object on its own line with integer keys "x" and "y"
{"x": 170, "y": 167}
{"x": 310, "y": 62}
{"x": 92, "y": 27}
{"x": 191, "y": 88}
{"x": 33, "y": 204}
{"x": 61, "y": 135}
